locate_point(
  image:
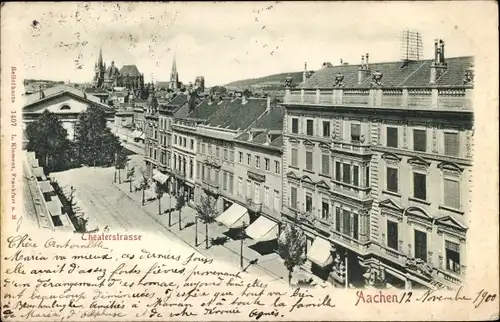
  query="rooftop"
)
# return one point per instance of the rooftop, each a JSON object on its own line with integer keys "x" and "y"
{"x": 395, "y": 74}
{"x": 131, "y": 70}
{"x": 270, "y": 123}
{"x": 235, "y": 115}
{"x": 57, "y": 90}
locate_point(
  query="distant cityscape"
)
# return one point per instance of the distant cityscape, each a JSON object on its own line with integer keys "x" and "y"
{"x": 370, "y": 161}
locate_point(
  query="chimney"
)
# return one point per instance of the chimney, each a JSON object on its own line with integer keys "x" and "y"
{"x": 268, "y": 138}
{"x": 436, "y": 58}
{"x": 441, "y": 45}
{"x": 341, "y": 61}
{"x": 304, "y": 74}
{"x": 438, "y": 66}
{"x": 362, "y": 71}
{"x": 362, "y": 62}
{"x": 366, "y": 64}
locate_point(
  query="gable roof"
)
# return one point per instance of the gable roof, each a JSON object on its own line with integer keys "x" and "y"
{"x": 58, "y": 90}
{"x": 207, "y": 108}
{"x": 395, "y": 74}
{"x": 236, "y": 115}
{"x": 131, "y": 70}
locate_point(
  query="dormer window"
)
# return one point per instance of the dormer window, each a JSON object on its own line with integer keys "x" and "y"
{"x": 64, "y": 107}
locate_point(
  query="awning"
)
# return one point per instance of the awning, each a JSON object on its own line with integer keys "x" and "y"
{"x": 262, "y": 229}
{"x": 234, "y": 217}
{"x": 34, "y": 163}
{"x": 54, "y": 206}
{"x": 320, "y": 252}
{"x": 160, "y": 177}
{"x": 45, "y": 186}
{"x": 38, "y": 172}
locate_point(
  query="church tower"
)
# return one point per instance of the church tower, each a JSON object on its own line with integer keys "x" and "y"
{"x": 100, "y": 70}
{"x": 174, "y": 76}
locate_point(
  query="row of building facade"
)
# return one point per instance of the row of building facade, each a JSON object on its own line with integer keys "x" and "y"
{"x": 373, "y": 162}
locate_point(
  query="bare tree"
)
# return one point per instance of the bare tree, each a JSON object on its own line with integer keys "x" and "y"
{"x": 291, "y": 247}
{"x": 180, "y": 202}
{"x": 143, "y": 185}
{"x": 206, "y": 212}
{"x": 130, "y": 177}
{"x": 160, "y": 189}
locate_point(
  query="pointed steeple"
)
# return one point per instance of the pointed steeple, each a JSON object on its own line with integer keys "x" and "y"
{"x": 99, "y": 60}
{"x": 174, "y": 68}
{"x": 174, "y": 76}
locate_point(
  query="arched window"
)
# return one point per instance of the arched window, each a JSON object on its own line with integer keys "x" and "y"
{"x": 65, "y": 107}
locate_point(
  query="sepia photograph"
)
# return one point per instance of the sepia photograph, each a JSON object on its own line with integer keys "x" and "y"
{"x": 245, "y": 161}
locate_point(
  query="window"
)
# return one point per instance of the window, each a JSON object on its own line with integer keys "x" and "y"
{"x": 355, "y": 132}
{"x": 346, "y": 218}
{"x": 198, "y": 146}
{"x": 326, "y": 128}
{"x": 175, "y": 139}
{"x": 231, "y": 182}
{"x": 249, "y": 159}
{"x": 249, "y": 189}
{"x": 293, "y": 197}
{"x": 452, "y": 256}
{"x": 392, "y": 179}
{"x": 295, "y": 125}
{"x": 420, "y": 245}
{"x": 240, "y": 186}
{"x": 277, "y": 167}
{"x": 192, "y": 144}
{"x": 355, "y": 234}
{"x": 325, "y": 212}
{"x": 338, "y": 175}
{"x": 65, "y": 107}
{"x": 309, "y": 202}
{"x": 392, "y": 235}
{"x": 209, "y": 149}
{"x": 276, "y": 200}
{"x": 231, "y": 155}
{"x": 337, "y": 219}
{"x": 191, "y": 168}
{"x": 367, "y": 177}
{"x": 309, "y": 160}
{"x": 184, "y": 142}
{"x": 452, "y": 193}
{"x": 202, "y": 172}
{"x": 420, "y": 140}
{"x": 197, "y": 170}
{"x": 346, "y": 175}
{"x": 295, "y": 157}
{"x": 310, "y": 127}
{"x": 267, "y": 164}
{"x": 225, "y": 155}
{"x": 451, "y": 144}
{"x": 257, "y": 193}
{"x": 392, "y": 137}
{"x": 325, "y": 164}
{"x": 217, "y": 152}
{"x": 203, "y": 148}
{"x": 257, "y": 161}
{"x": 355, "y": 175}
{"x": 241, "y": 156}
{"x": 419, "y": 186}
{"x": 224, "y": 180}
{"x": 266, "y": 196}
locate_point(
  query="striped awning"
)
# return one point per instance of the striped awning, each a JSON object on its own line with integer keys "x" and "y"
{"x": 262, "y": 229}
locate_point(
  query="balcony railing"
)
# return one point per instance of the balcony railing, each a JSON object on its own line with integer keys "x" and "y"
{"x": 357, "y": 147}
{"x": 457, "y": 98}
{"x": 361, "y": 193}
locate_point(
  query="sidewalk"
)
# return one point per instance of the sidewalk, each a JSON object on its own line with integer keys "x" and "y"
{"x": 270, "y": 265}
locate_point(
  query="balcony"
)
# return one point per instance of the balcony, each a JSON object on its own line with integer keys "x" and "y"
{"x": 210, "y": 186}
{"x": 457, "y": 98}
{"x": 352, "y": 147}
{"x": 253, "y": 206}
{"x": 362, "y": 194}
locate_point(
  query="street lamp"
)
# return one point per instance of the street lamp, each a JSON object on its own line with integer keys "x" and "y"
{"x": 242, "y": 237}
{"x": 196, "y": 230}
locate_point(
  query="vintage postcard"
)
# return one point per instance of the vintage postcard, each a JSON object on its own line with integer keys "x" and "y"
{"x": 226, "y": 161}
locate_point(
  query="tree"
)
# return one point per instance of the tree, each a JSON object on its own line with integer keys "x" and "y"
{"x": 206, "y": 212}
{"x": 120, "y": 162}
{"x": 49, "y": 140}
{"x": 218, "y": 90}
{"x": 180, "y": 202}
{"x": 291, "y": 247}
{"x": 143, "y": 185}
{"x": 160, "y": 189}
{"x": 95, "y": 144}
{"x": 247, "y": 93}
{"x": 130, "y": 176}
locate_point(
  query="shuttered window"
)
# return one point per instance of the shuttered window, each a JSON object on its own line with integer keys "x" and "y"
{"x": 355, "y": 132}
{"x": 309, "y": 161}
{"x": 452, "y": 193}
{"x": 355, "y": 234}
{"x": 421, "y": 245}
{"x": 325, "y": 164}
{"x": 293, "y": 197}
{"x": 392, "y": 235}
{"x": 420, "y": 140}
{"x": 419, "y": 186}
{"x": 346, "y": 177}
{"x": 451, "y": 144}
{"x": 310, "y": 127}
{"x": 295, "y": 157}
{"x": 392, "y": 137}
{"x": 367, "y": 177}
{"x": 452, "y": 256}
{"x": 309, "y": 202}
{"x": 325, "y": 212}
{"x": 355, "y": 176}
{"x": 392, "y": 179}
{"x": 337, "y": 171}
{"x": 224, "y": 180}
{"x": 326, "y": 128}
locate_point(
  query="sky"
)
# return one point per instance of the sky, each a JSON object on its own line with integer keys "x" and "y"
{"x": 225, "y": 42}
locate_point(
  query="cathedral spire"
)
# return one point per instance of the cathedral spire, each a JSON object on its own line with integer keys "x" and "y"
{"x": 174, "y": 76}
{"x": 174, "y": 68}
{"x": 99, "y": 60}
